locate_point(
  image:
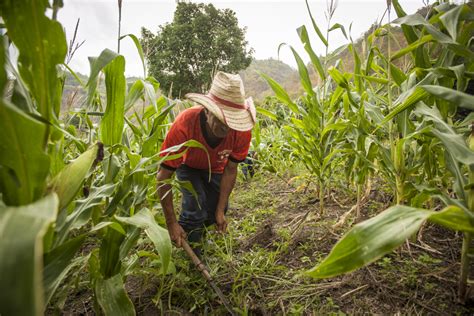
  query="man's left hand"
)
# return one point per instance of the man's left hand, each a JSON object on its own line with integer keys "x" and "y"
{"x": 221, "y": 222}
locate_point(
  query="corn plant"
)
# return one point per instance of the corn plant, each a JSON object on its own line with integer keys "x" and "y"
{"x": 41, "y": 192}
{"x": 425, "y": 103}
{"x": 316, "y": 128}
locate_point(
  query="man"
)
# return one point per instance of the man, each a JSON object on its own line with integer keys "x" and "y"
{"x": 222, "y": 122}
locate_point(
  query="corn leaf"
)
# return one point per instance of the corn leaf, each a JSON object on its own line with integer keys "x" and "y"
{"x": 157, "y": 234}
{"x": 372, "y": 239}
{"x": 267, "y": 113}
{"x": 21, "y": 143}
{"x": 280, "y": 93}
{"x": 96, "y": 65}
{"x": 22, "y": 255}
{"x": 136, "y": 41}
{"x": 57, "y": 263}
{"x": 414, "y": 96}
{"x": 450, "y": 20}
{"x": 41, "y": 49}
{"x": 315, "y": 26}
{"x": 303, "y": 34}
{"x": 82, "y": 212}
{"x": 111, "y": 125}
{"x": 69, "y": 180}
{"x": 420, "y": 42}
{"x": 112, "y": 297}
{"x": 456, "y": 97}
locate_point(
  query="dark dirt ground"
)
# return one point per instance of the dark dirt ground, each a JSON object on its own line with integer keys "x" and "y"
{"x": 258, "y": 264}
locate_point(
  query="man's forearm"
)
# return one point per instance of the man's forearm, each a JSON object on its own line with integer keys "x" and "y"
{"x": 226, "y": 186}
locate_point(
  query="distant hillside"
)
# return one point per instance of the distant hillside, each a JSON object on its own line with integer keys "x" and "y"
{"x": 258, "y": 88}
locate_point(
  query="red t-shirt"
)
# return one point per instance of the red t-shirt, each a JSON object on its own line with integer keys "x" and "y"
{"x": 188, "y": 125}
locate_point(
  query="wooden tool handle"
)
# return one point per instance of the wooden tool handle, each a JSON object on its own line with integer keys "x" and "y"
{"x": 197, "y": 262}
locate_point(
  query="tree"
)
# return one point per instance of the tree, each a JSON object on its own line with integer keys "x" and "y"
{"x": 185, "y": 53}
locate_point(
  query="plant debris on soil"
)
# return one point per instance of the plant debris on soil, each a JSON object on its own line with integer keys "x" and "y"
{"x": 260, "y": 263}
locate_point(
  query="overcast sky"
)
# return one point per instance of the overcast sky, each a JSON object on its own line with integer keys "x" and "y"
{"x": 268, "y": 22}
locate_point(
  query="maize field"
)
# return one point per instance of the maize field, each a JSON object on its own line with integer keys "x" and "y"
{"x": 362, "y": 199}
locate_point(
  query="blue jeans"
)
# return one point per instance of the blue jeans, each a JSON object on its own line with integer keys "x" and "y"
{"x": 197, "y": 214}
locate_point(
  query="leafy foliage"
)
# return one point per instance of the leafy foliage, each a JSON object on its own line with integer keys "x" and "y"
{"x": 201, "y": 40}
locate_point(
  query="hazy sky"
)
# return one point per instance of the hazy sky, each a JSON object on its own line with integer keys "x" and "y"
{"x": 268, "y": 22}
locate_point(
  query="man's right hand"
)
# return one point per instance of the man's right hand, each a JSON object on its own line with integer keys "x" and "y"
{"x": 177, "y": 234}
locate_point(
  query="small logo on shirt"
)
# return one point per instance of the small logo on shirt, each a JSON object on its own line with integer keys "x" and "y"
{"x": 223, "y": 155}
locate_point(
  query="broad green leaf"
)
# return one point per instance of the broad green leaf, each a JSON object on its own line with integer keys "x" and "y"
{"x": 157, "y": 234}
{"x": 303, "y": 71}
{"x": 24, "y": 164}
{"x": 339, "y": 26}
{"x": 338, "y": 77}
{"x": 111, "y": 125}
{"x": 303, "y": 34}
{"x": 414, "y": 96}
{"x": 21, "y": 249}
{"x": 456, "y": 97}
{"x": 134, "y": 93}
{"x": 454, "y": 143}
{"x": 315, "y": 26}
{"x": 398, "y": 76}
{"x": 112, "y": 298}
{"x": 370, "y": 240}
{"x": 69, "y": 180}
{"x": 450, "y": 20}
{"x": 420, "y": 42}
{"x": 267, "y": 113}
{"x": 109, "y": 253}
{"x": 41, "y": 43}
{"x": 280, "y": 93}
{"x": 454, "y": 218}
{"x": 57, "y": 263}
{"x": 82, "y": 212}
{"x": 96, "y": 65}
{"x": 136, "y": 41}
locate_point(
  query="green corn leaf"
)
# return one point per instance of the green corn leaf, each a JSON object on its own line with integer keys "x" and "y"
{"x": 315, "y": 26}
{"x": 303, "y": 34}
{"x": 111, "y": 125}
{"x": 456, "y": 97}
{"x": 22, "y": 255}
{"x": 372, "y": 239}
{"x": 280, "y": 93}
{"x": 112, "y": 298}
{"x": 42, "y": 46}
{"x": 109, "y": 253}
{"x": 267, "y": 113}
{"x": 134, "y": 93}
{"x": 96, "y": 66}
{"x": 339, "y": 26}
{"x": 157, "y": 234}
{"x": 69, "y": 180}
{"x": 136, "y": 41}
{"x": 57, "y": 263}
{"x": 303, "y": 71}
{"x": 21, "y": 143}
{"x": 82, "y": 212}
{"x": 454, "y": 218}
{"x": 420, "y": 42}
{"x": 374, "y": 79}
{"x": 450, "y": 20}
{"x": 397, "y": 75}
{"x": 414, "y": 96}
{"x": 338, "y": 77}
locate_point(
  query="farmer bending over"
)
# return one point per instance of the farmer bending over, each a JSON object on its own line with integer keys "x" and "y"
{"x": 221, "y": 121}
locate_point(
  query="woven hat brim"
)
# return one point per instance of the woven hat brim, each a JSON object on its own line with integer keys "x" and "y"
{"x": 236, "y": 119}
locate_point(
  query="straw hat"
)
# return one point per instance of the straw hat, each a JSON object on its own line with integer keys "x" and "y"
{"x": 226, "y": 100}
